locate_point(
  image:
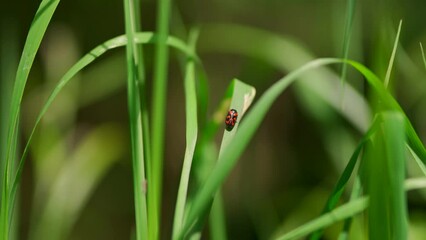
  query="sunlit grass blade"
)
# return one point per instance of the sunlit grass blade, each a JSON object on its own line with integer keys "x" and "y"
{"x": 392, "y": 59}
{"x": 191, "y": 135}
{"x": 158, "y": 115}
{"x": 385, "y": 166}
{"x": 32, "y": 44}
{"x": 238, "y": 96}
{"x": 140, "y": 38}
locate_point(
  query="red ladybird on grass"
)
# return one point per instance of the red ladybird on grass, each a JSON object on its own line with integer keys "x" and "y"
{"x": 231, "y": 119}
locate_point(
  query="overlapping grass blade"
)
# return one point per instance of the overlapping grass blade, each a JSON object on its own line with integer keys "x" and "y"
{"x": 32, "y": 44}
{"x": 140, "y": 38}
{"x": 238, "y": 96}
{"x": 392, "y": 59}
{"x": 338, "y": 214}
{"x": 337, "y": 192}
{"x": 287, "y": 55}
{"x": 344, "y": 212}
{"x": 191, "y": 135}
{"x": 134, "y": 75}
{"x": 158, "y": 116}
{"x": 385, "y": 166}
{"x": 254, "y": 118}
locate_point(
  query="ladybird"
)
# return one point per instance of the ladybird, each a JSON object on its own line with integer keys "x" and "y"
{"x": 231, "y": 119}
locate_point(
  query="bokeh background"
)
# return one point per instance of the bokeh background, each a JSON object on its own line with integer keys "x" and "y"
{"x": 78, "y": 178}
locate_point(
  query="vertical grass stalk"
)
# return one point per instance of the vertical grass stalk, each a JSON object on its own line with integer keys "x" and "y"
{"x": 158, "y": 117}
{"x": 135, "y": 117}
{"x": 191, "y": 136}
{"x": 32, "y": 44}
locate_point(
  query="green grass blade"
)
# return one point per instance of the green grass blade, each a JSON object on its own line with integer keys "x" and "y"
{"x": 141, "y": 76}
{"x": 415, "y": 183}
{"x": 191, "y": 136}
{"x": 338, "y": 214}
{"x": 350, "y": 11}
{"x": 343, "y": 212}
{"x": 158, "y": 115}
{"x": 337, "y": 192}
{"x": 243, "y": 40}
{"x": 233, "y": 149}
{"x": 423, "y": 54}
{"x": 140, "y": 38}
{"x": 32, "y": 44}
{"x": 418, "y": 161}
{"x": 385, "y": 166}
{"x": 254, "y": 118}
{"x": 392, "y": 59}
{"x": 134, "y": 77}
{"x": 355, "y": 194}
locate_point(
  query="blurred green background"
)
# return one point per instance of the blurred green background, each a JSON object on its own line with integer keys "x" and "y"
{"x": 78, "y": 179}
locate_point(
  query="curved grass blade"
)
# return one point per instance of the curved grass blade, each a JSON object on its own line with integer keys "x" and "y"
{"x": 243, "y": 40}
{"x": 337, "y": 192}
{"x": 32, "y": 44}
{"x": 343, "y": 212}
{"x": 254, "y": 118}
{"x": 191, "y": 135}
{"x": 392, "y": 59}
{"x": 238, "y": 96}
{"x": 347, "y": 210}
{"x": 140, "y": 38}
{"x": 242, "y": 97}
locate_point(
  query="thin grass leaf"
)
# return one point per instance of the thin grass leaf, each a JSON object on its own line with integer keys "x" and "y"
{"x": 338, "y": 190}
{"x": 423, "y": 54}
{"x": 415, "y": 183}
{"x": 392, "y": 59}
{"x": 350, "y": 11}
{"x": 254, "y": 118}
{"x": 343, "y": 212}
{"x": 338, "y": 214}
{"x": 140, "y": 38}
{"x": 158, "y": 116}
{"x": 135, "y": 117}
{"x": 385, "y": 166}
{"x": 32, "y": 44}
{"x": 355, "y": 194}
{"x": 418, "y": 161}
{"x": 191, "y": 135}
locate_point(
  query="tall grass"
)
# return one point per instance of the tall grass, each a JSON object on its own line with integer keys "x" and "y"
{"x": 382, "y": 147}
